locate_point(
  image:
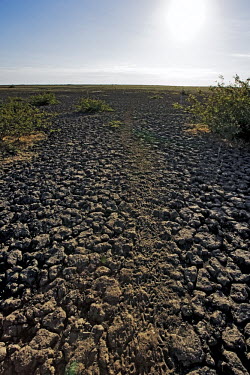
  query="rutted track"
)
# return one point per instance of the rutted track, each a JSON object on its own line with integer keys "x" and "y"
{"x": 126, "y": 255}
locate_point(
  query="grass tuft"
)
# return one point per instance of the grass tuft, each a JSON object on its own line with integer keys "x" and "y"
{"x": 114, "y": 124}
{"x": 47, "y": 98}
{"x": 87, "y": 105}
{"x": 157, "y": 96}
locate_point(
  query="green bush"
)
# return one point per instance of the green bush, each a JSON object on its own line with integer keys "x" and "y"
{"x": 87, "y": 105}
{"x": 19, "y": 118}
{"x": 225, "y": 109}
{"x": 43, "y": 99}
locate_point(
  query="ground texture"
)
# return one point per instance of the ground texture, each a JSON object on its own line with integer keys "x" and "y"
{"x": 125, "y": 250}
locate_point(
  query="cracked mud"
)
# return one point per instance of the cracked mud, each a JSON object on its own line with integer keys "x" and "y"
{"x": 126, "y": 250}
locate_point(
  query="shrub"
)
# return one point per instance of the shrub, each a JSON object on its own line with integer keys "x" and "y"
{"x": 87, "y": 105}
{"x": 19, "y": 118}
{"x": 157, "y": 96}
{"x": 43, "y": 99}
{"x": 184, "y": 92}
{"x": 72, "y": 368}
{"x": 225, "y": 109}
{"x": 114, "y": 124}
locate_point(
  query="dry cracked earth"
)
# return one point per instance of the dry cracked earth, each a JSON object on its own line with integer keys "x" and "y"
{"x": 125, "y": 250}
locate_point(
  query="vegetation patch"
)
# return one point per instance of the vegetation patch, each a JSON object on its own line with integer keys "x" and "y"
{"x": 47, "y": 98}
{"x": 72, "y": 368}
{"x": 19, "y": 119}
{"x": 150, "y": 137}
{"x": 87, "y": 105}
{"x": 157, "y": 96}
{"x": 225, "y": 110}
{"x": 115, "y": 124}
{"x": 197, "y": 129}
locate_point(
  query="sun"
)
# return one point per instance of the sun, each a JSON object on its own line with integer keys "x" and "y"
{"x": 185, "y": 18}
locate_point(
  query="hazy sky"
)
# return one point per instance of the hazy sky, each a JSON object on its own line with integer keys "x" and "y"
{"x": 168, "y": 42}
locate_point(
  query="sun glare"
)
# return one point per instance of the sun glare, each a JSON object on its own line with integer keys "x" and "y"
{"x": 185, "y": 18}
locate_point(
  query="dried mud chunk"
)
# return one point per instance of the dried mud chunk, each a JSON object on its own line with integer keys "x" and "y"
{"x": 126, "y": 275}
{"x": 247, "y": 330}
{"x": 13, "y": 325}
{"x": 96, "y": 313}
{"x": 29, "y": 275}
{"x": 13, "y": 257}
{"x": 11, "y": 304}
{"x": 109, "y": 288}
{"x": 185, "y": 236}
{"x": 185, "y": 346}
{"x": 209, "y": 241}
{"x": 27, "y": 359}
{"x": 103, "y": 355}
{"x": 112, "y": 295}
{"x": 121, "y": 331}
{"x": 241, "y": 257}
{"x": 57, "y": 288}
{"x": 54, "y": 271}
{"x": 203, "y": 371}
{"x": 145, "y": 347}
{"x": 197, "y": 304}
{"x": 46, "y": 368}
{"x": 43, "y": 339}
{"x": 190, "y": 274}
{"x": 55, "y": 255}
{"x": 102, "y": 271}
{"x": 39, "y": 242}
{"x": 85, "y": 355}
{"x": 69, "y": 273}
{"x": 79, "y": 261}
{"x": 61, "y": 233}
{"x": 55, "y": 320}
{"x": 2, "y": 351}
{"x": 102, "y": 247}
{"x": 203, "y": 282}
{"x": 220, "y": 301}
{"x": 21, "y": 230}
{"x": 232, "y": 364}
{"x": 232, "y": 338}
{"x": 239, "y": 292}
{"x": 218, "y": 319}
{"x": 41, "y": 309}
{"x": 97, "y": 332}
{"x": 241, "y": 313}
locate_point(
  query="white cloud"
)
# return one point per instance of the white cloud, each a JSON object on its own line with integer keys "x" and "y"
{"x": 120, "y": 73}
{"x": 241, "y": 55}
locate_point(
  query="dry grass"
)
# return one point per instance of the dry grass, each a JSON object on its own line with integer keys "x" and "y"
{"x": 26, "y": 140}
{"x": 22, "y": 144}
{"x": 195, "y": 129}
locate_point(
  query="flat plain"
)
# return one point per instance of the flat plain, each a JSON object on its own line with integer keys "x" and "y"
{"x": 125, "y": 243}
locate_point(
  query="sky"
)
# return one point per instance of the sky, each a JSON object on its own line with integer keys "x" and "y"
{"x": 158, "y": 42}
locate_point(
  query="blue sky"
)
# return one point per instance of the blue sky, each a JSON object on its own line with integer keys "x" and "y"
{"x": 124, "y": 42}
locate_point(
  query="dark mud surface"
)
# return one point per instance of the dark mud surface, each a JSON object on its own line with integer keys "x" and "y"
{"x": 125, "y": 250}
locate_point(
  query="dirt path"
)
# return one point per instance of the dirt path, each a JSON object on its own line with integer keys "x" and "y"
{"x": 126, "y": 251}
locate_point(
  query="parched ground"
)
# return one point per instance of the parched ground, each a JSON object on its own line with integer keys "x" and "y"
{"x": 125, "y": 250}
